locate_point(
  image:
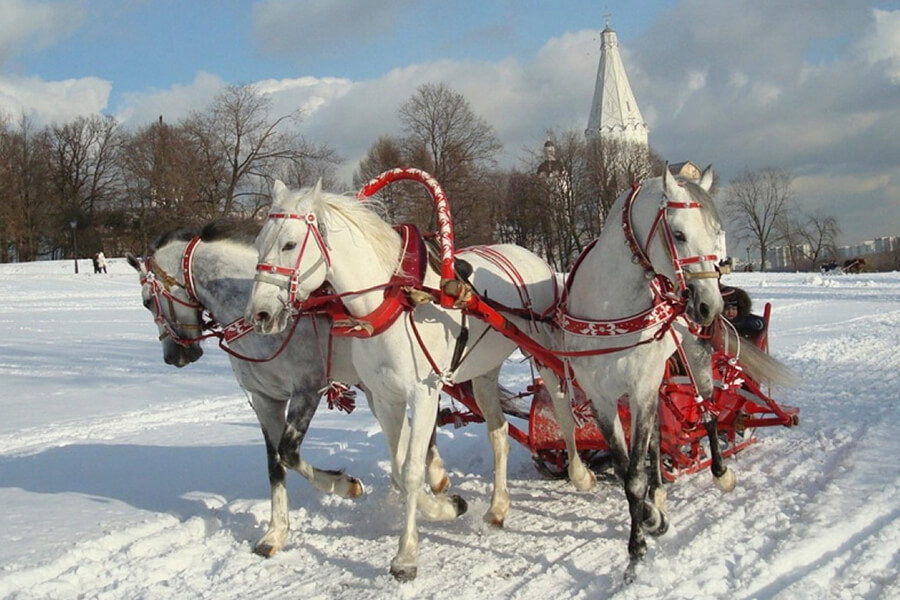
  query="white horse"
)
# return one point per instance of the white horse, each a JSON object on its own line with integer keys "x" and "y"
{"x": 192, "y": 272}
{"x": 311, "y": 237}
{"x": 655, "y": 260}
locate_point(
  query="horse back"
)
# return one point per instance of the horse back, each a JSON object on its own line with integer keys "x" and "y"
{"x": 512, "y": 276}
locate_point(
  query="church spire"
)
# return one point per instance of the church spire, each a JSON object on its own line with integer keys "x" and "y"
{"x": 614, "y": 111}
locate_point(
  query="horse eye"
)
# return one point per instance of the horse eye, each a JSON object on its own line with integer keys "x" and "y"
{"x": 147, "y": 304}
{"x": 679, "y": 236}
{"x": 289, "y": 246}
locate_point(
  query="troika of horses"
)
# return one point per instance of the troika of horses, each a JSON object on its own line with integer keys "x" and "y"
{"x": 332, "y": 296}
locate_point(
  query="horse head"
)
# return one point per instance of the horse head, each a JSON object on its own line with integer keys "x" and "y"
{"x": 178, "y": 316}
{"x": 293, "y": 257}
{"x": 693, "y": 243}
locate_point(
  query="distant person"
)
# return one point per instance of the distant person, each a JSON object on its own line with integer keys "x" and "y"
{"x": 101, "y": 262}
{"x": 96, "y": 262}
{"x": 737, "y": 310}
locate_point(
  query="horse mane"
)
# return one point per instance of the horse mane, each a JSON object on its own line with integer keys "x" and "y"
{"x": 242, "y": 231}
{"x": 364, "y": 215}
{"x": 179, "y": 234}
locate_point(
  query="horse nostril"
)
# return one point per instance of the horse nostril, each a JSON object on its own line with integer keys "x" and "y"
{"x": 262, "y": 317}
{"x": 704, "y": 311}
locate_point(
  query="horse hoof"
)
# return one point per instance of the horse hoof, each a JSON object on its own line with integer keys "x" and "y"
{"x": 652, "y": 518}
{"x": 663, "y": 526}
{"x": 586, "y": 483}
{"x": 404, "y": 574}
{"x": 726, "y": 481}
{"x": 442, "y": 486}
{"x": 461, "y": 505}
{"x": 493, "y": 520}
{"x": 630, "y": 572}
{"x": 265, "y": 550}
{"x": 355, "y": 488}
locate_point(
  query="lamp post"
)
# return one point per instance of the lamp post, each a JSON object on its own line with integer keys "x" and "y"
{"x": 748, "y": 255}
{"x": 73, "y": 224}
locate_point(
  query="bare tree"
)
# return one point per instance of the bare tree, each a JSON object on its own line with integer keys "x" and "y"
{"x": 29, "y": 194}
{"x": 820, "y": 235}
{"x": 445, "y": 137}
{"x": 757, "y": 202}
{"x": 238, "y": 143}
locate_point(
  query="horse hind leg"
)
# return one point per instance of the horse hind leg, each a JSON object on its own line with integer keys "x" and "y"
{"x": 581, "y": 477}
{"x": 485, "y": 390}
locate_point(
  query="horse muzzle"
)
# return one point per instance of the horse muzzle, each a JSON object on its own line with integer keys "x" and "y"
{"x": 181, "y": 356}
{"x": 702, "y": 308}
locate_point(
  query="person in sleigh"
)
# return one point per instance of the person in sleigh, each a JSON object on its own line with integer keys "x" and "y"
{"x": 738, "y": 311}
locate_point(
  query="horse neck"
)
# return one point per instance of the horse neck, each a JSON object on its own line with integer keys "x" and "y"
{"x": 609, "y": 284}
{"x": 222, "y": 274}
{"x": 355, "y": 266}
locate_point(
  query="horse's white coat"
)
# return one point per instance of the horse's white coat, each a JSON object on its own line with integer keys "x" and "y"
{"x": 364, "y": 253}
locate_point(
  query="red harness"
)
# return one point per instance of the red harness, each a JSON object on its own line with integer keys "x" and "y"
{"x": 667, "y": 304}
{"x": 409, "y": 274}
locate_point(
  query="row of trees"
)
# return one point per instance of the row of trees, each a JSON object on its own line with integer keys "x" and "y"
{"x": 763, "y": 211}
{"x": 119, "y": 189}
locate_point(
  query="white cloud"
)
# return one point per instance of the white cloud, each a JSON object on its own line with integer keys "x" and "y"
{"x": 53, "y": 101}
{"x": 172, "y": 104}
{"x": 29, "y": 25}
{"x": 882, "y": 45}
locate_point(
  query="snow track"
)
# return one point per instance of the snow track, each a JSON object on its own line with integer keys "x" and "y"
{"x": 160, "y": 492}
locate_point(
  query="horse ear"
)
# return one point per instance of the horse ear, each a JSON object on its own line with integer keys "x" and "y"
{"x": 317, "y": 193}
{"x": 706, "y": 178}
{"x": 668, "y": 181}
{"x": 134, "y": 262}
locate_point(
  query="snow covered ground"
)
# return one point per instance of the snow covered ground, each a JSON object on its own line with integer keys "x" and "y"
{"x": 122, "y": 477}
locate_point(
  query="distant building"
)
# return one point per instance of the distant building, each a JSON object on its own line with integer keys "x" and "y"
{"x": 614, "y": 111}
{"x": 876, "y": 246}
{"x": 686, "y": 169}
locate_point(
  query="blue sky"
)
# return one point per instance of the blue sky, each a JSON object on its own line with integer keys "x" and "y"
{"x": 810, "y": 86}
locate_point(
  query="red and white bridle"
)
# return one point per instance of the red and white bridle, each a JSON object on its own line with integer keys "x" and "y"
{"x": 669, "y": 298}
{"x": 289, "y": 278}
{"x": 662, "y": 227}
{"x": 161, "y": 285}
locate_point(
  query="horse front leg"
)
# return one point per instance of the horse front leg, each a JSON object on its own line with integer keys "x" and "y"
{"x": 658, "y": 522}
{"x": 581, "y": 477}
{"x": 640, "y": 511}
{"x": 270, "y": 414}
{"x": 723, "y": 475}
{"x": 279, "y": 521}
{"x": 438, "y": 480}
{"x": 424, "y": 402}
{"x": 299, "y": 416}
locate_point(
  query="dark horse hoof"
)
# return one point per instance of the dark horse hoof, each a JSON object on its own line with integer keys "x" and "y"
{"x": 405, "y": 574}
{"x": 461, "y": 505}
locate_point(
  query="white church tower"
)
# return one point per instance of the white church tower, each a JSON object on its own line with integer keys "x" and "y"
{"x": 614, "y": 112}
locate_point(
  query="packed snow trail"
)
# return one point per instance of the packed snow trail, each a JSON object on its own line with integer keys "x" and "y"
{"x": 121, "y": 477}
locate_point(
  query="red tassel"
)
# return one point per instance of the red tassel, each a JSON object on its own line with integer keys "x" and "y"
{"x": 340, "y": 396}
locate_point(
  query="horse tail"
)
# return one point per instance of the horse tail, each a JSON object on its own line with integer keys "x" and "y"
{"x": 757, "y": 364}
